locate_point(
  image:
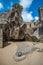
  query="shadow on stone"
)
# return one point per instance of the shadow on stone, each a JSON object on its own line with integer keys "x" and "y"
{"x": 6, "y": 44}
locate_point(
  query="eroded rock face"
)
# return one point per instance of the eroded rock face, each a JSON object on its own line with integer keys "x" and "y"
{"x": 15, "y": 20}
{"x": 16, "y": 28}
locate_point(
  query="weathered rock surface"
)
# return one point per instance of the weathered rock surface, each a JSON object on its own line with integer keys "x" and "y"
{"x": 24, "y": 49}
{"x": 16, "y": 28}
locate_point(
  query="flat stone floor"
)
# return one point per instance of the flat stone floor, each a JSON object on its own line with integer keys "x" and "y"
{"x": 6, "y": 55}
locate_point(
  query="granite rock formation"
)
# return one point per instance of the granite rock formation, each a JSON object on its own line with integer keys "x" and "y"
{"x": 15, "y": 27}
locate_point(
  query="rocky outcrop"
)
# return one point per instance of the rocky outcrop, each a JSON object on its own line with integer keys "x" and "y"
{"x": 15, "y": 27}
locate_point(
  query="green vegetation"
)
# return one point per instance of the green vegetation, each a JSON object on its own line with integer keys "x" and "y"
{"x": 18, "y": 6}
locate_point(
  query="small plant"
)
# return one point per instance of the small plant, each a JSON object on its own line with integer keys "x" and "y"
{"x": 18, "y": 6}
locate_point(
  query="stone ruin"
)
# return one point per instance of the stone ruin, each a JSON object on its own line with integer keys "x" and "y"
{"x": 15, "y": 23}
{"x": 16, "y": 29}
{"x": 39, "y": 27}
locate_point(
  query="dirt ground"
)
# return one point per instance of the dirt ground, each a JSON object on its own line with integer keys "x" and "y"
{"x": 6, "y": 55}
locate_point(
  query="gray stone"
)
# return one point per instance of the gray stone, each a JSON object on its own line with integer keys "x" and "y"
{"x": 18, "y": 58}
{"x": 23, "y": 49}
{"x": 39, "y": 50}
